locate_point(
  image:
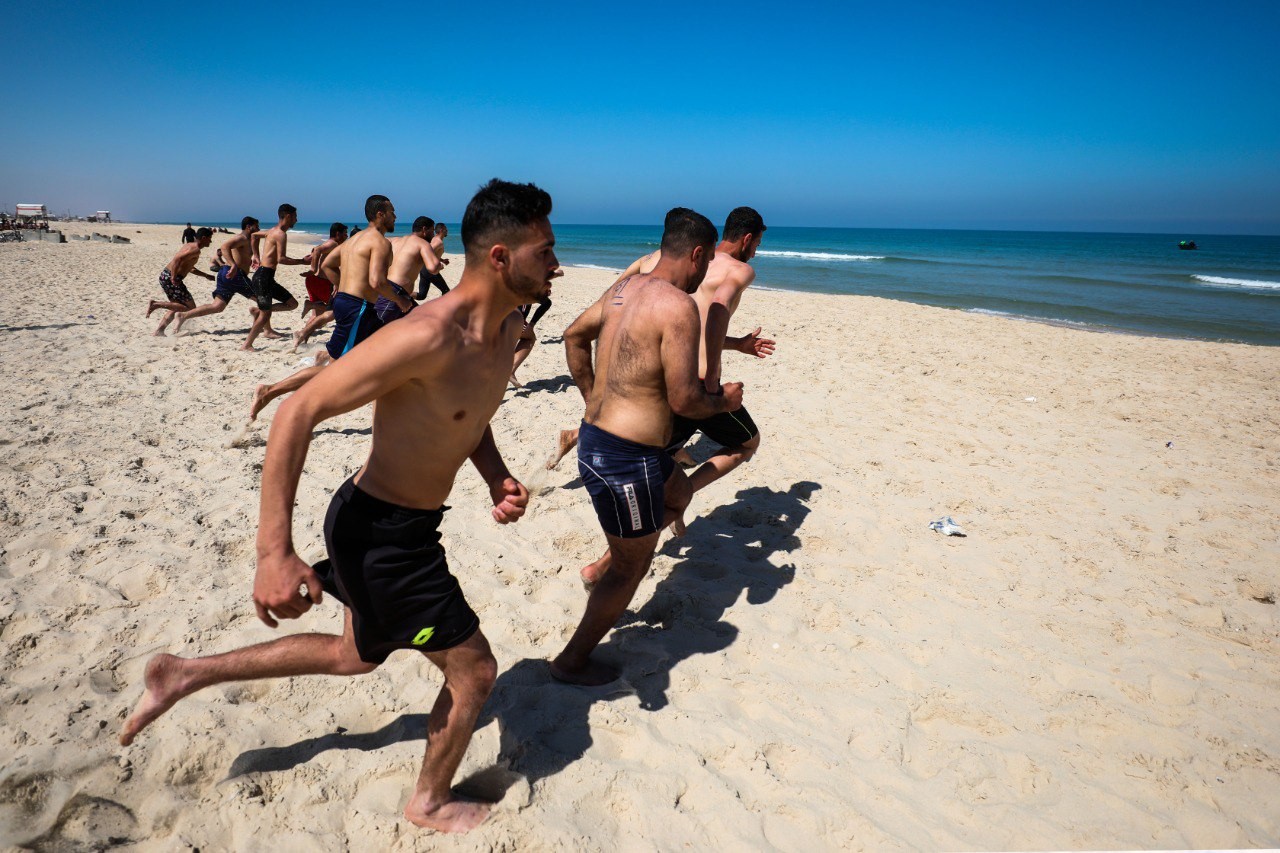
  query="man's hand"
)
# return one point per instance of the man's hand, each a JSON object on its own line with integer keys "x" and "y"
{"x": 444, "y": 262}
{"x": 277, "y": 588}
{"x": 404, "y": 303}
{"x": 753, "y": 344}
{"x": 732, "y": 392}
{"x": 510, "y": 498}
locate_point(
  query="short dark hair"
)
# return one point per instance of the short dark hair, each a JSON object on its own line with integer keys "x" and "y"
{"x": 684, "y": 230}
{"x": 204, "y": 232}
{"x": 374, "y": 205}
{"x": 247, "y": 221}
{"x": 441, "y": 228}
{"x": 287, "y": 210}
{"x": 743, "y": 221}
{"x": 424, "y": 222}
{"x": 335, "y": 229}
{"x": 498, "y": 210}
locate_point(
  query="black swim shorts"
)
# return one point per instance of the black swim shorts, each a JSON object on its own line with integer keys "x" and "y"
{"x": 727, "y": 429}
{"x": 388, "y": 310}
{"x": 387, "y": 565}
{"x": 174, "y": 288}
{"x": 266, "y": 289}
{"x": 626, "y": 481}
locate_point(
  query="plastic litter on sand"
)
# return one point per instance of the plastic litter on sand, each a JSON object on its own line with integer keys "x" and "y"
{"x": 946, "y": 526}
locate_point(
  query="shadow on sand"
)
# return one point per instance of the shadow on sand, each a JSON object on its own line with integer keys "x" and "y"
{"x": 721, "y": 556}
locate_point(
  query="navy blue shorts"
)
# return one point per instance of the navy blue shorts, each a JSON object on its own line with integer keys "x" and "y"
{"x": 353, "y": 321}
{"x": 387, "y": 565}
{"x": 626, "y": 481}
{"x": 388, "y": 310}
{"x": 231, "y": 282}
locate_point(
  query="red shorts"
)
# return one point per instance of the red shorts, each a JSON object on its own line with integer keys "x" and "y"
{"x": 319, "y": 289}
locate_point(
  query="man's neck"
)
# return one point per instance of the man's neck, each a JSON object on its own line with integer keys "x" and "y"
{"x": 733, "y": 250}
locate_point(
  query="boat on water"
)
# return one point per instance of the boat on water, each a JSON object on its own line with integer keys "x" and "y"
{"x": 1187, "y": 244}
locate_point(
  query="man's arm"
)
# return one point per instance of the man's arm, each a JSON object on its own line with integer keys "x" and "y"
{"x": 685, "y": 394}
{"x": 193, "y": 262}
{"x": 723, "y": 304}
{"x": 331, "y": 266}
{"x": 318, "y": 254}
{"x": 379, "y": 263}
{"x": 255, "y": 244}
{"x": 381, "y": 365}
{"x": 634, "y": 269}
{"x": 578, "y": 338}
{"x": 430, "y": 262}
{"x": 510, "y": 497}
{"x": 284, "y": 253}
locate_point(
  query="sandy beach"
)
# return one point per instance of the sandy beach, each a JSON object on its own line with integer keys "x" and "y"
{"x": 1095, "y": 665}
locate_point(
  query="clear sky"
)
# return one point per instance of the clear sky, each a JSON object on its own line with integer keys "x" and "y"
{"x": 1113, "y": 116}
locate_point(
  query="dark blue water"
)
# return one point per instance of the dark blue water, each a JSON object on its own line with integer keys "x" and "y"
{"x": 1227, "y": 290}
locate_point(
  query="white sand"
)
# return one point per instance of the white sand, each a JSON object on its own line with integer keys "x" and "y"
{"x": 1095, "y": 666}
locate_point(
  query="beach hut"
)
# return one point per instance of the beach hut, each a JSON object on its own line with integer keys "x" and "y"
{"x": 31, "y": 211}
{"x": 103, "y": 216}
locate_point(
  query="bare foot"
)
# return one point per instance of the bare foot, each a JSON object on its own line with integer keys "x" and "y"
{"x": 453, "y": 815}
{"x": 513, "y": 382}
{"x": 151, "y": 306}
{"x": 259, "y": 400}
{"x": 247, "y": 348}
{"x": 272, "y": 334}
{"x": 592, "y": 572}
{"x": 298, "y": 339}
{"x": 567, "y": 441}
{"x": 178, "y": 327}
{"x": 158, "y": 333}
{"x": 593, "y": 674}
{"x": 163, "y": 688}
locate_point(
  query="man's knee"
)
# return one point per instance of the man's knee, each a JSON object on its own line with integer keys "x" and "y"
{"x": 474, "y": 681}
{"x": 747, "y": 449}
{"x": 346, "y": 659}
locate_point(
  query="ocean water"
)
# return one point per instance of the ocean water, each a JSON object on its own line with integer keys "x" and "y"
{"x": 1227, "y": 290}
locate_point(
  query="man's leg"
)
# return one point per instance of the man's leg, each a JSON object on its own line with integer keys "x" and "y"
{"x": 524, "y": 346}
{"x": 289, "y": 305}
{"x": 724, "y": 461}
{"x": 217, "y": 306}
{"x": 469, "y": 674}
{"x": 154, "y": 305}
{"x": 170, "y": 314}
{"x": 567, "y": 441}
{"x": 264, "y": 394}
{"x": 313, "y": 325}
{"x": 170, "y": 678}
{"x": 609, "y": 598}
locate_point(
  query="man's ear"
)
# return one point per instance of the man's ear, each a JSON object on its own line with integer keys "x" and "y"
{"x": 499, "y": 256}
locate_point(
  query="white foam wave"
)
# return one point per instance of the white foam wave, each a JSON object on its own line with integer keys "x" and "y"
{"x": 594, "y": 267}
{"x": 1219, "y": 281}
{"x": 819, "y": 256}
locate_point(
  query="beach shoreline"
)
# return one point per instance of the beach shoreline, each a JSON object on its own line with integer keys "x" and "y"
{"x": 1092, "y": 666}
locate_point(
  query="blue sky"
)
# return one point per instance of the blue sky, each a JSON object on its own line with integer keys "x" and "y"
{"x": 1081, "y": 116}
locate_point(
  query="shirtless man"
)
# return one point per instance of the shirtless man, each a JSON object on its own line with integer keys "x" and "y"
{"x": 426, "y": 279}
{"x": 268, "y": 293}
{"x": 365, "y": 260}
{"x": 411, "y": 255}
{"x": 718, "y": 296}
{"x": 233, "y": 278}
{"x": 528, "y": 338}
{"x": 437, "y": 376}
{"x": 319, "y": 288}
{"x": 179, "y": 298}
{"x": 330, "y": 269}
{"x": 646, "y": 369}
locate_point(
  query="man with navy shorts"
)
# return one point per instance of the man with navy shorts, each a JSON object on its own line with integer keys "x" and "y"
{"x": 646, "y": 328}
{"x": 233, "y": 277}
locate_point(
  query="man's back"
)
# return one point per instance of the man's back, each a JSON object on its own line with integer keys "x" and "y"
{"x": 409, "y": 260}
{"x": 237, "y": 251}
{"x": 357, "y": 253}
{"x": 644, "y": 320}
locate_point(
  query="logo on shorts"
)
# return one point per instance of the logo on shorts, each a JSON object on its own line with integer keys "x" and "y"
{"x": 423, "y": 636}
{"x": 629, "y": 490}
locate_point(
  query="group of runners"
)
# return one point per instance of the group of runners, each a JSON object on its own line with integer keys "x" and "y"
{"x": 438, "y": 373}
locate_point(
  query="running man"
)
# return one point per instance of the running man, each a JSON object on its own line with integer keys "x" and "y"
{"x": 727, "y": 279}
{"x": 330, "y": 270}
{"x": 646, "y": 370}
{"x": 438, "y": 376}
{"x": 233, "y": 277}
{"x": 319, "y": 288}
{"x": 268, "y": 293}
{"x": 183, "y": 263}
{"x": 411, "y": 255}
{"x": 425, "y": 279}
{"x": 365, "y": 260}
{"x": 528, "y": 338}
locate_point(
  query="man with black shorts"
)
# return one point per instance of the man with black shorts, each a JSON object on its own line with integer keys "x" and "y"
{"x": 233, "y": 278}
{"x": 437, "y": 376}
{"x": 427, "y": 279}
{"x": 269, "y": 294}
{"x": 411, "y": 255}
{"x": 646, "y": 366}
{"x": 365, "y": 260}
{"x": 171, "y": 280}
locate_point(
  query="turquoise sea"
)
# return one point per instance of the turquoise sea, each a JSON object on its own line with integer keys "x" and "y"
{"x": 1226, "y": 290}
